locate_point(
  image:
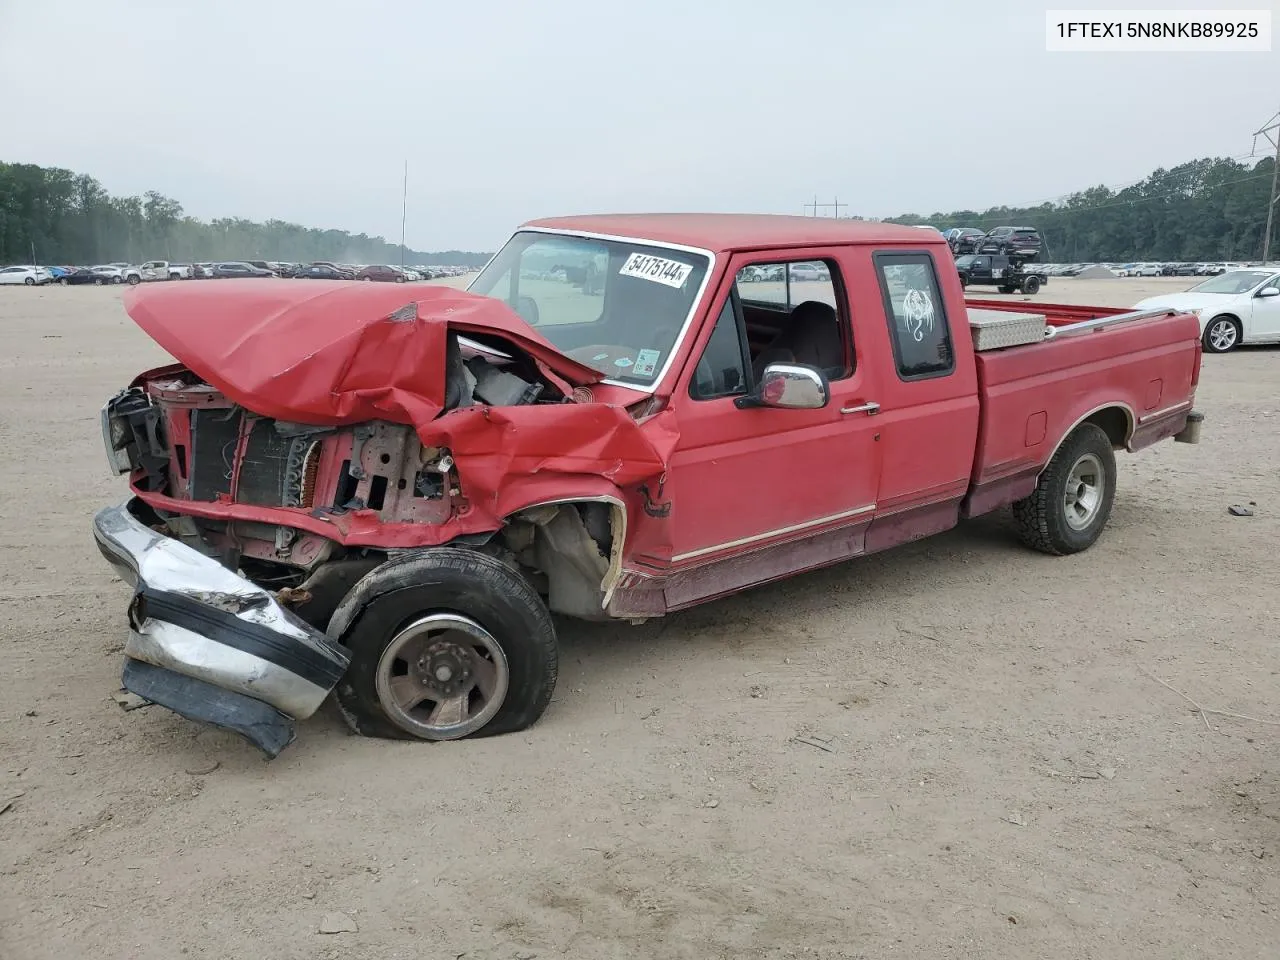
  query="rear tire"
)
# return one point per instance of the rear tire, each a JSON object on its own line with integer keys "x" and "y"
{"x": 1221, "y": 334}
{"x": 30, "y": 281}
{"x": 1031, "y": 285}
{"x": 403, "y": 631}
{"x": 1072, "y": 501}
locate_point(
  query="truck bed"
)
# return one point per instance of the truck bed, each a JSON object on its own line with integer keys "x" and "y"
{"x": 1136, "y": 378}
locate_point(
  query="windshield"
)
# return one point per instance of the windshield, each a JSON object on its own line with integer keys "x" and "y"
{"x": 966, "y": 260}
{"x": 618, "y": 306}
{"x": 1238, "y": 281}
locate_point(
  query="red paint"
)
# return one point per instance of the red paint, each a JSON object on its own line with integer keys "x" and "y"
{"x": 717, "y": 498}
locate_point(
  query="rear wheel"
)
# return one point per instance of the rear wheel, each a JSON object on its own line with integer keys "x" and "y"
{"x": 30, "y": 281}
{"x": 1222, "y": 334}
{"x": 1031, "y": 284}
{"x": 447, "y": 643}
{"x": 62, "y": 281}
{"x": 1072, "y": 500}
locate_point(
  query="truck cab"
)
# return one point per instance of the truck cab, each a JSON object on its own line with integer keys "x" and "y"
{"x": 385, "y": 493}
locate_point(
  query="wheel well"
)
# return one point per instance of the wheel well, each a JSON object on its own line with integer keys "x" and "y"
{"x": 1227, "y": 316}
{"x": 571, "y": 551}
{"x": 1114, "y": 422}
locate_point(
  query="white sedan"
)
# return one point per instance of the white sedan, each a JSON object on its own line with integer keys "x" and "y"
{"x": 26, "y": 275}
{"x": 1242, "y": 306}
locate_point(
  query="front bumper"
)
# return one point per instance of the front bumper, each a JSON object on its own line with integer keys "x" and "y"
{"x": 193, "y": 617}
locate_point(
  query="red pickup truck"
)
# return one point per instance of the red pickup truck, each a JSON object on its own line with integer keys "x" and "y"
{"x": 386, "y": 493}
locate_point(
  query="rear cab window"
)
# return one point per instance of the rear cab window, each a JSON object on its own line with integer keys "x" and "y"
{"x": 914, "y": 308}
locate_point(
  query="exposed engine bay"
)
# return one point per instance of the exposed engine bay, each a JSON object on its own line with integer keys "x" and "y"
{"x": 183, "y": 439}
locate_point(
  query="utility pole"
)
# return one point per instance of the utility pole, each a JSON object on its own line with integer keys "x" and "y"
{"x": 404, "y": 209}
{"x": 1271, "y": 130}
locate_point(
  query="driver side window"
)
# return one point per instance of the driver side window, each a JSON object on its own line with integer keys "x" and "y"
{"x": 722, "y": 369}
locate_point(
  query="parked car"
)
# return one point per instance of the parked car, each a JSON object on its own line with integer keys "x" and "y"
{"x": 427, "y": 542}
{"x": 981, "y": 269}
{"x": 1184, "y": 270}
{"x": 1151, "y": 270}
{"x": 235, "y": 268}
{"x": 263, "y": 265}
{"x": 154, "y": 270}
{"x": 84, "y": 275}
{"x": 322, "y": 271}
{"x": 109, "y": 273}
{"x": 1242, "y": 306}
{"x": 381, "y": 273}
{"x": 963, "y": 240}
{"x": 29, "y": 276}
{"x": 1024, "y": 242}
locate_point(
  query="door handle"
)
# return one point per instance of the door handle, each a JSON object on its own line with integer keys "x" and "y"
{"x": 870, "y": 408}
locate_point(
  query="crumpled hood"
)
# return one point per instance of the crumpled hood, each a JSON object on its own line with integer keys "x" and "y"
{"x": 333, "y": 352}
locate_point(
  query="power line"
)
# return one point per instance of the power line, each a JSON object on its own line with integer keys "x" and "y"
{"x": 1265, "y": 131}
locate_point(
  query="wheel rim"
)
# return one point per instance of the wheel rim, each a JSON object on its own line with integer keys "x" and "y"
{"x": 1222, "y": 334}
{"x": 1085, "y": 486}
{"x": 442, "y": 677}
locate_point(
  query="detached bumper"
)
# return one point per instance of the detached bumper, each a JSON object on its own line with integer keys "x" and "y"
{"x": 192, "y": 617}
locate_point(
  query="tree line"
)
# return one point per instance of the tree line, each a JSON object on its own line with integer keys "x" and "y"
{"x": 1210, "y": 209}
{"x": 53, "y": 216}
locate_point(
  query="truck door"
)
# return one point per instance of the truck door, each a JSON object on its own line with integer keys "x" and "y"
{"x": 155, "y": 270}
{"x": 928, "y": 395}
{"x": 760, "y": 493}
{"x": 1264, "y": 324}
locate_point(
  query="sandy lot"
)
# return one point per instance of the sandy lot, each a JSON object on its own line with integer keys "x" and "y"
{"x": 1006, "y": 780}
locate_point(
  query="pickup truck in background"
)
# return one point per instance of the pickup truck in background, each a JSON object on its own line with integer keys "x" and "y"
{"x": 154, "y": 270}
{"x": 386, "y": 492}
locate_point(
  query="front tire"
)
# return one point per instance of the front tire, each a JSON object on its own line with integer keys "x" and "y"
{"x": 1072, "y": 501}
{"x": 1221, "y": 334}
{"x": 446, "y": 643}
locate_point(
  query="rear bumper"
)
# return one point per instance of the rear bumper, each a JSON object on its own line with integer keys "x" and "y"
{"x": 193, "y": 617}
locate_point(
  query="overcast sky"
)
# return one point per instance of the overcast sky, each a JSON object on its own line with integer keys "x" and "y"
{"x": 513, "y": 109}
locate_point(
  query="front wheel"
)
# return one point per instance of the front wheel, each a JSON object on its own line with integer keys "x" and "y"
{"x": 1222, "y": 334}
{"x": 134, "y": 280}
{"x": 1072, "y": 500}
{"x": 446, "y": 643}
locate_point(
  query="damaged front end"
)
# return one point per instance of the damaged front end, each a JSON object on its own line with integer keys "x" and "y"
{"x": 271, "y": 477}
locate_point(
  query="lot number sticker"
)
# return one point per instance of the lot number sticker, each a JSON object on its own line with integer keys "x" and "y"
{"x": 671, "y": 272}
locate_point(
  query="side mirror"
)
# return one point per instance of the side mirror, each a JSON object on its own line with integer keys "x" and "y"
{"x": 1269, "y": 292}
{"x": 527, "y": 307}
{"x": 788, "y": 386}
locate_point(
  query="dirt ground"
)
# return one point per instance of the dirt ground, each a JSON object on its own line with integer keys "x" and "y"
{"x": 1004, "y": 775}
